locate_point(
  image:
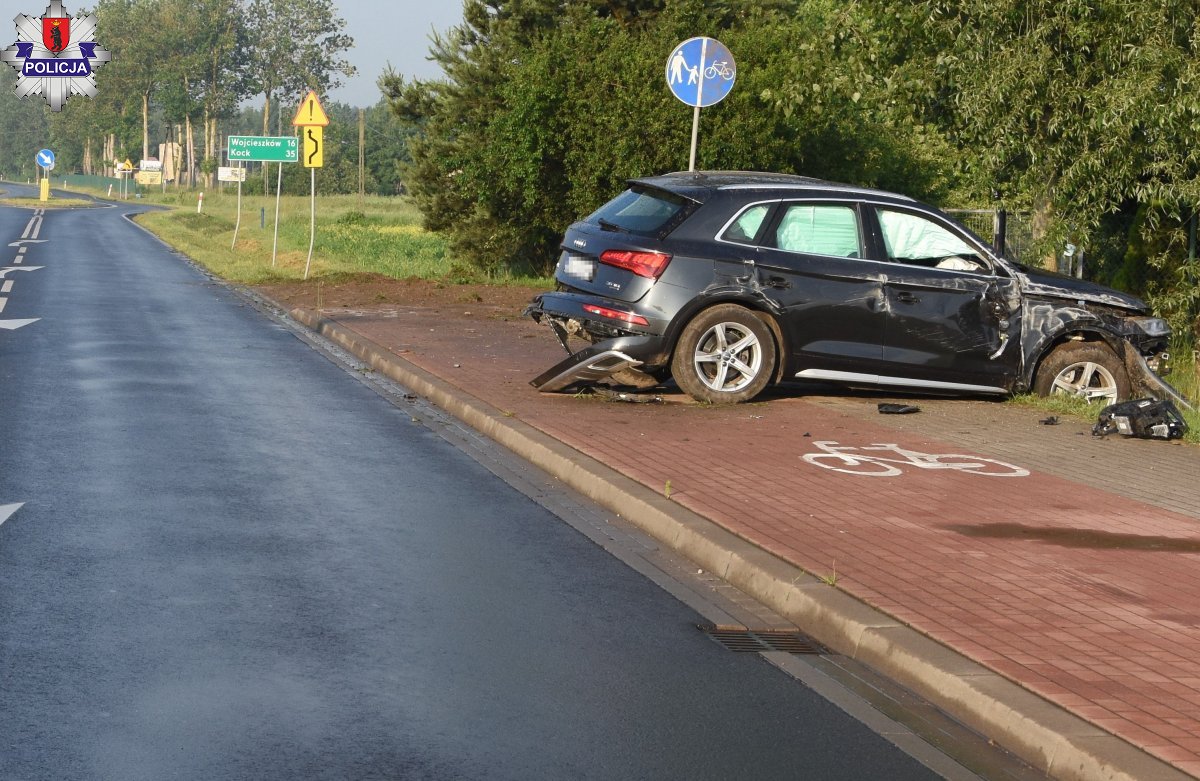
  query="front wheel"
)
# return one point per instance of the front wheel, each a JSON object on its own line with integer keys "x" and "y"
{"x": 725, "y": 355}
{"x": 1087, "y": 369}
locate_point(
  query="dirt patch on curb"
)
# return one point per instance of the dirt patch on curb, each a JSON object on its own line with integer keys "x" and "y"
{"x": 483, "y": 302}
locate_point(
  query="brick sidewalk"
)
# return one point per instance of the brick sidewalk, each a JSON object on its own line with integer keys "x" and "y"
{"x": 1079, "y": 581}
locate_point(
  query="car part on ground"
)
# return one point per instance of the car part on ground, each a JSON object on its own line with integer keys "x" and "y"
{"x": 730, "y": 281}
{"x": 1141, "y": 418}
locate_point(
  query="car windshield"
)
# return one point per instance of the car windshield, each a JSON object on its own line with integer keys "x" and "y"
{"x": 640, "y": 210}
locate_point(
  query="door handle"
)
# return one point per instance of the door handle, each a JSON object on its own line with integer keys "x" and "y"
{"x": 905, "y": 297}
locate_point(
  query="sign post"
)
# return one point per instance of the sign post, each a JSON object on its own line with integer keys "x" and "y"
{"x": 700, "y": 72}
{"x": 45, "y": 161}
{"x": 311, "y": 118}
{"x": 264, "y": 149}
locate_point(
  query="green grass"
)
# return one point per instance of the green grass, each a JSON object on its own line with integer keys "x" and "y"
{"x": 53, "y": 203}
{"x": 373, "y": 235}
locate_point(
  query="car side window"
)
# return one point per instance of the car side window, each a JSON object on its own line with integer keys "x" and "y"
{"x": 915, "y": 240}
{"x": 745, "y": 227}
{"x": 819, "y": 229}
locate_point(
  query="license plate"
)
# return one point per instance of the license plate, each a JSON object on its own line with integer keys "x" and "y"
{"x": 579, "y": 267}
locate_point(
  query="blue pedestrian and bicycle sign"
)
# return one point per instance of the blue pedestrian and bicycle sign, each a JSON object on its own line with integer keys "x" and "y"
{"x": 45, "y": 159}
{"x": 701, "y": 71}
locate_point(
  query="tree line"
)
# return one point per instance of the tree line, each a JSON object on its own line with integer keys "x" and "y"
{"x": 1082, "y": 114}
{"x": 180, "y": 70}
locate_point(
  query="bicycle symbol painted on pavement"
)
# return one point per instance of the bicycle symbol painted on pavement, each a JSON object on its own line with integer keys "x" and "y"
{"x": 858, "y": 461}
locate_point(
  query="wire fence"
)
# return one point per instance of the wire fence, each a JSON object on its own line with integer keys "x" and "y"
{"x": 1017, "y": 228}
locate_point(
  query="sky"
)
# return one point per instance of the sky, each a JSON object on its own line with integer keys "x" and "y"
{"x": 384, "y": 31}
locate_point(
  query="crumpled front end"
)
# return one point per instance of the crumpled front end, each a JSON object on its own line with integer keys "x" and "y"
{"x": 617, "y": 340}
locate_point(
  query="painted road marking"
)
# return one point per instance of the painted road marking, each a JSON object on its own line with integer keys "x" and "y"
{"x": 3, "y": 301}
{"x": 4, "y": 271}
{"x": 12, "y": 325}
{"x": 20, "y": 243}
{"x": 6, "y": 287}
{"x": 6, "y": 511}
{"x": 865, "y": 460}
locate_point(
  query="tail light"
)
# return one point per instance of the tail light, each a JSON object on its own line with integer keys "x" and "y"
{"x": 615, "y": 314}
{"x": 645, "y": 264}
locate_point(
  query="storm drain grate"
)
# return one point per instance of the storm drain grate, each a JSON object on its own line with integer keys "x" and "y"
{"x": 757, "y": 641}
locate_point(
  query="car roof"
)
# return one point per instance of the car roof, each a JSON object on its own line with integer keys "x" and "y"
{"x": 699, "y": 185}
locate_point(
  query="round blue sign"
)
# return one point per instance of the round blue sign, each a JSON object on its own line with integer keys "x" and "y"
{"x": 701, "y": 71}
{"x": 45, "y": 159}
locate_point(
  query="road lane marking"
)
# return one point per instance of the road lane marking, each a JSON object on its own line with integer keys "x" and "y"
{"x": 6, "y": 287}
{"x": 3, "y": 301}
{"x": 33, "y": 227}
{"x": 6, "y": 511}
{"x": 4, "y": 271}
{"x": 12, "y": 325}
{"x": 20, "y": 243}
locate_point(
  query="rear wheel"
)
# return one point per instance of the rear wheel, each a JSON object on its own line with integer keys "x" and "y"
{"x": 1087, "y": 369}
{"x": 725, "y": 355}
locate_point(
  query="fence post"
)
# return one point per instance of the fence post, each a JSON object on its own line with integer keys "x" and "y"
{"x": 1000, "y": 231}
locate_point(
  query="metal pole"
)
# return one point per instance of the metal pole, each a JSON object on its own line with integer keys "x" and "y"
{"x": 699, "y": 100}
{"x": 275, "y": 243}
{"x": 695, "y": 130}
{"x": 312, "y": 220}
{"x": 238, "y": 223}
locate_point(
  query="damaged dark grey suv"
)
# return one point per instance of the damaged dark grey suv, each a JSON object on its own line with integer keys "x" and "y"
{"x": 729, "y": 281}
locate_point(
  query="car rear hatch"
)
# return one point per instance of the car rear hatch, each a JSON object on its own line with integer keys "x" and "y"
{"x": 617, "y": 252}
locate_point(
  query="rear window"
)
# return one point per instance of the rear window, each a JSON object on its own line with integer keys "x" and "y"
{"x": 642, "y": 210}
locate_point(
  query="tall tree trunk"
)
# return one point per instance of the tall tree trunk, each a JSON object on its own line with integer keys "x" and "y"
{"x": 145, "y": 125}
{"x": 191, "y": 151}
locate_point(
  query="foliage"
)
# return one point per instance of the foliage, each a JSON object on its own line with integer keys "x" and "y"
{"x": 24, "y": 129}
{"x": 525, "y": 134}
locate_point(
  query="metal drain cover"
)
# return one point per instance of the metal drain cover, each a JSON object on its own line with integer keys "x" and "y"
{"x": 757, "y": 641}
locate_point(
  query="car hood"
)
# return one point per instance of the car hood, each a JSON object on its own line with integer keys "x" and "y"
{"x": 1039, "y": 282}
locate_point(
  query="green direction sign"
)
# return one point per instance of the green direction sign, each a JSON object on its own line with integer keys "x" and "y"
{"x": 264, "y": 149}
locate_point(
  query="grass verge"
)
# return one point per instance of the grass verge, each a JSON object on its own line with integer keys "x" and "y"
{"x": 375, "y": 235}
{"x": 53, "y": 203}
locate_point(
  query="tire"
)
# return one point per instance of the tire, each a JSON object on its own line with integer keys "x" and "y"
{"x": 725, "y": 355}
{"x": 1087, "y": 369}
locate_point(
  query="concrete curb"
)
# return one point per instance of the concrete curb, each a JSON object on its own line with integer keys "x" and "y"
{"x": 1043, "y": 734}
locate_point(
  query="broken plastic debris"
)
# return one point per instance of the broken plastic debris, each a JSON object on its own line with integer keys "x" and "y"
{"x": 898, "y": 409}
{"x": 1050, "y": 421}
{"x": 1142, "y": 418}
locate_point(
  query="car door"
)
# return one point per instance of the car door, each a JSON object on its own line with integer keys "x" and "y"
{"x": 950, "y": 310}
{"x": 812, "y": 264}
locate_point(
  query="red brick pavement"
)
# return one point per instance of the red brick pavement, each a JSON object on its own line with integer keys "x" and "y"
{"x": 1082, "y": 595}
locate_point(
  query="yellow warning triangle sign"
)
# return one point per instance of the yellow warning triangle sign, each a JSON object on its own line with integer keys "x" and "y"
{"x": 310, "y": 113}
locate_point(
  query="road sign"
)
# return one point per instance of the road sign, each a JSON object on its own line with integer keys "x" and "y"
{"x": 310, "y": 113}
{"x": 701, "y": 72}
{"x": 228, "y": 174}
{"x": 266, "y": 149}
{"x": 314, "y": 147}
{"x": 45, "y": 159}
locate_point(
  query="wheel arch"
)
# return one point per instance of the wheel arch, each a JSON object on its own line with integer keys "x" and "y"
{"x": 1037, "y": 355}
{"x": 761, "y": 308}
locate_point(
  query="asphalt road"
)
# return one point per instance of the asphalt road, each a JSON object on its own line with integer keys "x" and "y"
{"x": 224, "y": 557}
